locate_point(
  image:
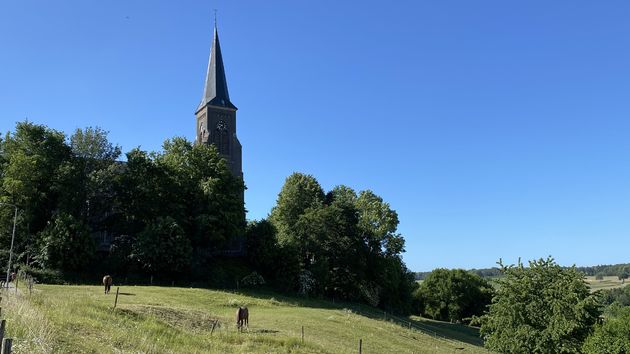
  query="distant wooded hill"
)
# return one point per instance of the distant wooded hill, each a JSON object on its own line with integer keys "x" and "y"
{"x": 604, "y": 270}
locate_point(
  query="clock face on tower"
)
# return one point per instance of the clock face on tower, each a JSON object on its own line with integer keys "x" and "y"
{"x": 221, "y": 125}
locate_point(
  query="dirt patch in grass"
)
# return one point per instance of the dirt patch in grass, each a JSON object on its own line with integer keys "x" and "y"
{"x": 179, "y": 318}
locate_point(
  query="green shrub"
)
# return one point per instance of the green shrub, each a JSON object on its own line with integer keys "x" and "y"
{"x": 45, "y": 276}
{"x": 612, "y": 336}
{"x": 252, "y": 280}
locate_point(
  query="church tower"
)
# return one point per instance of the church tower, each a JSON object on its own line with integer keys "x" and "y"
{"x": 216, "y": 115}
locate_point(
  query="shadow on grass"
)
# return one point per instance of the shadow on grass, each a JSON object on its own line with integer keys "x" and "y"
{"x": 444, "y": 330}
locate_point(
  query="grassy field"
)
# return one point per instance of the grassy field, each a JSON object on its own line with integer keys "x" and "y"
{"x": 607, "y": 283}
{"x": 80, "y": 319}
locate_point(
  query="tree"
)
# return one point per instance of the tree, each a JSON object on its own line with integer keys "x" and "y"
{"x": 299, "y": 193}
{"x": 378, "y": 224}
{"x": 36, "y": 162}
{"x": 262, "y": 246}
{"x": 621, "y": 296}
{"x": 207, "y": 198}
{"x": 91, "y": 144}
{"x": 94, "y": 161}
{"x": 612, "y": 336}
{"x": 163, "y": 248}
{"x": 66, "y": 244}
{"x": 544, "y": 308}
{"x": 454, "y": 295}
{"x": 330, "y": 249}
{"x": 624, "y": 274}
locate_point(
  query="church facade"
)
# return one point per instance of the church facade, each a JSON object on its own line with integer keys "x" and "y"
{"x": 216, "y": 115}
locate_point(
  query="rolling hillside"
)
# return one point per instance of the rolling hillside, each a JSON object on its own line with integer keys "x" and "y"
{"x": 80, "y": 319}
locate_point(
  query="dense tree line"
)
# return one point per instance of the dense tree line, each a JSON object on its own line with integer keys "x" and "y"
{"x": 539, "y": 308}
{"x": 605, "y": 269}
{"x": 617, "y": 270}
{"x": 170, "y": 211}
{"x": 339, "y": 244}
{"x": 173, "y": 212}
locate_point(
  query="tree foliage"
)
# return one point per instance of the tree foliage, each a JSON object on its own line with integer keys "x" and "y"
{"x": 345, "y": 244}
{"x": 454, "y": 295}
{"x": 66, "y": 244}
{"x": 612, "y": 336}
{"x": 163, "y": 248}
{"x": 543, "y": 308}
{"x": 69, "y": 189}
{"x": 299, "y": 193}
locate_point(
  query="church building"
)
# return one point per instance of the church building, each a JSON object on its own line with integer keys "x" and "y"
{"x": 216, "y": 115}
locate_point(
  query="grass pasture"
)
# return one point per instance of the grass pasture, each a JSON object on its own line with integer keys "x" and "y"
{"x": 609, "y": 282}
{"x": 80, "y": 319}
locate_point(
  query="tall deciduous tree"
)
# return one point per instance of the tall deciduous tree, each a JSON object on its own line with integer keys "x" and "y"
{"x": 66, "y": 244}
{"x": 543, "y": 308}
{"x": 299, "y": 193}
{"x": 35, "y": 164}
{"x": 346, "y": 244}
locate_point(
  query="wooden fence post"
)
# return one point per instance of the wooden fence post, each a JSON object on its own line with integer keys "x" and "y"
{"x": 3, "y": 324}
{"x": 116, "y": 301}
{"x": 6, "y": 345}
{"x": 302, "y": 334}
{"x": 360, "y": 346}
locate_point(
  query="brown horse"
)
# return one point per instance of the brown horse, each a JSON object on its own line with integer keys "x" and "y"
{"x": 107, "y": 282}
{"x": 242, "y": 318}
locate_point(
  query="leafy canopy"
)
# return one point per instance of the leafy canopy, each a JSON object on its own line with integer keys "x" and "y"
{"x": 543, "y": 308}
{"x": 454, "y": 295}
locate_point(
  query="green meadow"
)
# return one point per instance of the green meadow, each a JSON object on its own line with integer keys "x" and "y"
{"x": 81, "y": 319}
{"x": 609, "y": 282}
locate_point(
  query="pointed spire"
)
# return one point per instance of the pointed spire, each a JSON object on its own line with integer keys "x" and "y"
{"x": 215, "y": 92}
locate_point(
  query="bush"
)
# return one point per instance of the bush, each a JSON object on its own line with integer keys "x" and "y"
{"x": 620, "y": 296}
{"x": 453, "y": 295}
{"x": 612, "y": 336}
{"x": 252, "y": 280}
{"x": 45, "y": 276}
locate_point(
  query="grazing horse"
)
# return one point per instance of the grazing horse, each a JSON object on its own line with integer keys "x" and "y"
{"x": 107, "y": 282}
{"x": 242, "y": 318}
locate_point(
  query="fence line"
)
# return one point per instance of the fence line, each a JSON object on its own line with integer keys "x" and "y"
{"x": 420, "y": 327}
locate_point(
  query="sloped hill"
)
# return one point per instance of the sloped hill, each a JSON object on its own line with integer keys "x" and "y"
{"x": 80, "y": 319}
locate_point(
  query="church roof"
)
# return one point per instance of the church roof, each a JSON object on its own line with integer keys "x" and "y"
{"x": 215, "y": 91}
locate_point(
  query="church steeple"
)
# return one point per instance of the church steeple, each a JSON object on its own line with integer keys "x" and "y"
{"x": 216, "y": 115}
{"x": 215, "y": 91}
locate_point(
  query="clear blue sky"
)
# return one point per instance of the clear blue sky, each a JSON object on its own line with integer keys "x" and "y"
{"x": 494, "y": 128}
